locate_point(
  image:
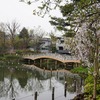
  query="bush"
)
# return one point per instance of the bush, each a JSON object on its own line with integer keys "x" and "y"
{"x": 21, "y": 52}
{"x": 89, "y": 79}
{"x": 89, "y": 86}
{"x": 80, "y": 70}
{"x": 12, "y": 57}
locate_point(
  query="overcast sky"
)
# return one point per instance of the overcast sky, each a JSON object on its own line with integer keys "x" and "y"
{"x": 21, "y": 12}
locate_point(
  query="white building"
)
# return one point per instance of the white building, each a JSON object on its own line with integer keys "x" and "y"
{"x": 61, "y": 46}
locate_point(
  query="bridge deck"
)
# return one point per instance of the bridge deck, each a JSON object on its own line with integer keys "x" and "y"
{"x": 58, "y": 57}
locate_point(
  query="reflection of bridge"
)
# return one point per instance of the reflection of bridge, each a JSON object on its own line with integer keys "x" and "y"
{"x": 55, "y": 56}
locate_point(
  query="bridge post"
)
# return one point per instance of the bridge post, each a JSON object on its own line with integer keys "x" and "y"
{"x": 44, "y": 71}
{"x": 56, "y": 65}
{"x": 40, "y": 62}
{"x": 34, "y": 62}
{"x": 72, "y": 65}
{"x": 57, "y": 73}
{"x": 29, "y": 61}
{"x": 77, "y": 64}
{"x": 51, "y": 72}
{"x": 64, "y": 65}
{"x": 47, "y": 63}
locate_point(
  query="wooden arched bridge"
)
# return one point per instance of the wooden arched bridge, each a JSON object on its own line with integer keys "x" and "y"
{"x": 55, "y": 56}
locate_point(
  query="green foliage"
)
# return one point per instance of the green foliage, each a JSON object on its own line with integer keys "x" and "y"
{"x": 11, "y": 57}
{"x": 80, "y": 70}
{"x": 89, "y": 86}
{"x": 89, "y": 89}
{"x": 53, "y": 48}
{"x": 67, "y": 9}
{"x": 1, "y": 57}
{"x": 19, "y": 52}
{"x": 98, "y": 97}
{"x": 89, "y": 79}
{"x": 24, "y": 52}
{"x": 60, "y": 23}
{"x": 24, "y": 33}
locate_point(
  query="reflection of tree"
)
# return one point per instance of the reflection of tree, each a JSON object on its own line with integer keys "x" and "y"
{"x": 22, "y": 81}
{"x": 1, "y": 89}
{"x": 22, "y": 77}
{"x": 2, "y": 83}
{"x": 34, "y": 82}
{"x": 8, "y": 87}
{"x": 1, "y": 74}
{"x": 8, "y": 84}
{"x": 11, "y": 87}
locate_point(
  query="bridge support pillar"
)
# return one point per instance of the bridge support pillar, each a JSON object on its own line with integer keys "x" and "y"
{"x": 64, "y": 65}
{"x": 29, "y": 61}
{"x": 34, "y": 62}
{"x": 47, "y": 63}
{"x": 40, "y": 62}
{"x": 77, "y": 64}
{"x": 56, "y": 65}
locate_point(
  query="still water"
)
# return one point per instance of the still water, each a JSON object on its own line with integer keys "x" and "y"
{"x": 20, "y": 82}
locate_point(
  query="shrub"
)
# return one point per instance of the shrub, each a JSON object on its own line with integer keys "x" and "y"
{"x": 80, "y": 70}
{"x": 89, "y": 86}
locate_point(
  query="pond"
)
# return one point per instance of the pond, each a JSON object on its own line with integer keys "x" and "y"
{"x": 20, "y": 82}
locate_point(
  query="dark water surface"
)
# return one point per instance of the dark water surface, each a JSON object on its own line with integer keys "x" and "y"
{"x": 20, "y": 82}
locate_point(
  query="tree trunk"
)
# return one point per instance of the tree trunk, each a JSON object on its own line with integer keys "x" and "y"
{"x": 95, "y": 67}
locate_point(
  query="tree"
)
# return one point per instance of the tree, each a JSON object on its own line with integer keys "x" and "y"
{"x": 3, "y": 38}
{"x": 25, "y": 36}
{"x": 53, "y": 39}
{"x": 2, "y": 42}
{"x": 18, "y": 42}
{"x": 12, "y": 29}
{"x": 36, "y": 36}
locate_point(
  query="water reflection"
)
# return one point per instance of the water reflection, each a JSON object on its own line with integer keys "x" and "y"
{"x": 21, "y": 81}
